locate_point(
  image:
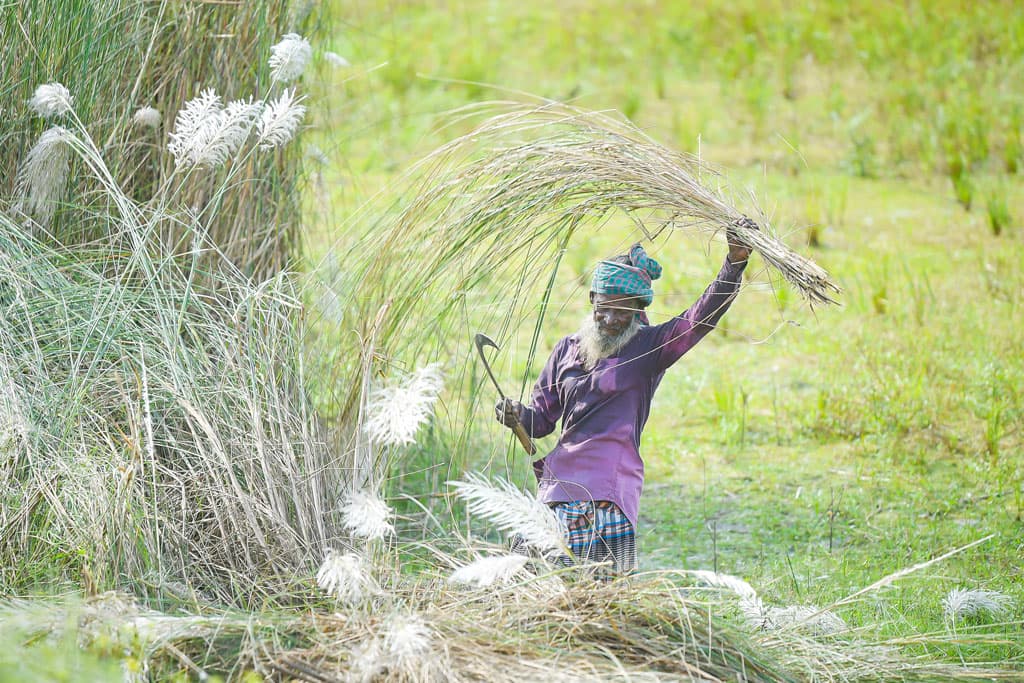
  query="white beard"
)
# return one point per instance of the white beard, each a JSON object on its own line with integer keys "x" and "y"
{"x": 594, "y": 345}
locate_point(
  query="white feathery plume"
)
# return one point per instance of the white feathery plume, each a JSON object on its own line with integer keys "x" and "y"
{"x": 233, "y": 126}
{"x": 512, "y": 510}
{"x": 489, "y": 570}
{"x": 407, "y": 639}
{"x": 279, "y": 120}
{"x": 289, "y": 58}
{"x": 51, "y": 99}
{"x": 367, "y": 516}
{"x": 754, "y": 611}
{"x": 336, "y": 60}
{"x": 395, "y": 412}
{"x": 367, "y": 661}
{"x": 192, "y": 125}
{"x": 403, "y": 651}
{"x": 975, "y": 602}
{"x": 317, "y": 155}
{"x": 805, "y": 617}
{"x": 148, "y": 117}
{"x": 734, "y": 583}
{"x": 192, "y": 119}
{"x": 43, "y": 176}
{"x": 207, "y": 134}
{"x": 762, "y": 616}
{"x": 345, "y": 576}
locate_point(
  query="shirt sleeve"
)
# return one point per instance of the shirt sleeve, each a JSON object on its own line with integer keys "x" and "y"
{"x": 677, "y": 336}
{"x": 540, "y": 417}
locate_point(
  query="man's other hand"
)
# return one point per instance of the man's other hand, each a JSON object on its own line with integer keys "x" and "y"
{"x": 738, "y": 249}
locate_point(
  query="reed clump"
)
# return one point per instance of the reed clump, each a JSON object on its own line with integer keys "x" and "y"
{"x": 125, "y": 65}
{"x": 158, "y": 434}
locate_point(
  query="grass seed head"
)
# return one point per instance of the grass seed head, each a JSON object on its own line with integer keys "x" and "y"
{"x": 407, "y": 638}
{"x": 395, "y": 412}
{"x": 404, "y": 649}
{"x": 367, "y": 516}
{"x": 489, "y": 570}
{"x": 337, "y": 60}
{"x": 345, "y": 576}
{"x": 147, "y": 117}
{"x": 43, "y": 176}
{"x": 207, "y": 134}
{"x": 512, "y": 510}
{"x": 727, "y": 581}
{"x": 962, "y": 603}
{"x": 289, "y": 58}
{"x": 51, "y": 99}
{"x": 279, "y": 120}
{"x": 805, "y": 617}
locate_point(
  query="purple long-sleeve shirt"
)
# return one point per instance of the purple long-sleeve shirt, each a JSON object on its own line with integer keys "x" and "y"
{"x": 603, "y": 411}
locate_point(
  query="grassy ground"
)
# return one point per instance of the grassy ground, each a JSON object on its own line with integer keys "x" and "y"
{"x": 811, "y": 452}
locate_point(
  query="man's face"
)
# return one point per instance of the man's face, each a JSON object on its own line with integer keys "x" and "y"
{"x": 613, "y": 313}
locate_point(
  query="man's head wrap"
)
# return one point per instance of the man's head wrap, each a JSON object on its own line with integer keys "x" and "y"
{"x": 628, "y": 279}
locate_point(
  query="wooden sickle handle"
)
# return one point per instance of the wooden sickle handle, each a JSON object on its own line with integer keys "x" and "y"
{"x": 524, "y": 438}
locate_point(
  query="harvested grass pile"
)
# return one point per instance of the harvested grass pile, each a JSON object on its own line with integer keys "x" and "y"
{"x": 653, "y": 627}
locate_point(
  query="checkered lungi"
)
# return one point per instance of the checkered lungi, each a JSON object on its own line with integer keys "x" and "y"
{"x": 597, "y": 531}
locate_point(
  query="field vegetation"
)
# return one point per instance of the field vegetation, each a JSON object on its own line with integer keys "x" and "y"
{"x": 238, "y": 375}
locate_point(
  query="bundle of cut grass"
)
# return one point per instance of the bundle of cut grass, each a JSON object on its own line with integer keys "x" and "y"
{"x": 559, "y": 165}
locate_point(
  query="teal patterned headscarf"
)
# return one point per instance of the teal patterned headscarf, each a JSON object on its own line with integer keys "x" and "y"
{"x": 632, "y": 279}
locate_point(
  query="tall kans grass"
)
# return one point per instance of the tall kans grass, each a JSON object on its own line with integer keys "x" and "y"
{"x": 155, "y": 435}
{"x": 119, "y": 56}
{"x": 155, "y": 431}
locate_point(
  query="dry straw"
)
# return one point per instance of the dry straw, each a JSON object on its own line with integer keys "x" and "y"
{"x": 559, "y": 165}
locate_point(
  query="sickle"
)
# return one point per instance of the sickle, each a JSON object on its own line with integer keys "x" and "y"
{"x": 481, "y": 340}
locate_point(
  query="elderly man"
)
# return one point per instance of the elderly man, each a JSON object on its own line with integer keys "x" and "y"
{"x": 600, "y": 382}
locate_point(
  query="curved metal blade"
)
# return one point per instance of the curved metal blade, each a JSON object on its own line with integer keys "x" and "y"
{"x": 481, "y": 340}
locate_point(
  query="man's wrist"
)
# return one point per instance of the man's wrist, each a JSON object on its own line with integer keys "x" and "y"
{"x": 736, "y": 258}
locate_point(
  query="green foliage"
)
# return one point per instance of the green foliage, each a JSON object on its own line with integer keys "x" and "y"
{"x": 928, "y": 77}
{"x": 732, "y": 403}
{"x": 998, "y": 211}
{"x": 861, "y": 161}
{"x": 631, "y": 104}
{"x": 963, "y": 189}
{"x": 27, "y": 655}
